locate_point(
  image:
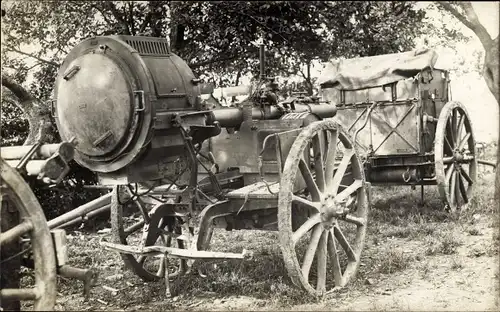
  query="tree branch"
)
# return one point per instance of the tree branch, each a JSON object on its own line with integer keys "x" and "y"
{"x": 448, "y": 7}
{"x": 145, "y": 23}
{"x": 38, "y": 115}
{"x": 118, "y": 16}
{"x": 479, "y": 29}
{"x": 106, "y": 19}
{"x": 9, "y": 48}
{"x": 19, "y": 91}
{"x": 470, "y": 20}
{"x": 131, "y": 18}
{"x": 217, "y": 60}
{"x": 31, "y": 67}
{"x": 302, "y": 73}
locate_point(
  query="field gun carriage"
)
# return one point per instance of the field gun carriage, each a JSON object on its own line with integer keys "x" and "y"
{"x": 130, "y": 110}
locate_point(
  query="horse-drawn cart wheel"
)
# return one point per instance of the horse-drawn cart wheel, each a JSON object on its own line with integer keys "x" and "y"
{"x": 322, "y": 209}
{"x": 159, "y": 228}
{"x": 455, "y": 156}
{"x": 16, "y": 193}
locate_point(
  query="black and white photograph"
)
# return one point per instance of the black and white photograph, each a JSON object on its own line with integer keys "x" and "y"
{"x": 249, "y": 156}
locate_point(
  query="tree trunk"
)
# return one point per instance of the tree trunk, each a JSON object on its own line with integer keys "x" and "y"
{"x": 236, "y": 82}
{"x": 490, "y": 74}
{"x": 491, "y": 64}
{"x": 308, "y": 79}
{"x": 37, "y": 113}
{"x": 491, "y": 67}
{"x": 497, "y": 171}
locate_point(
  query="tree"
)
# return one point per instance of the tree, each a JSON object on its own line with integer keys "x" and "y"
{"x": 37, "y": 113}
{"x": 465, "y": 13}
{"x": 217, "y": 38}
{"x": 295, "y": 33}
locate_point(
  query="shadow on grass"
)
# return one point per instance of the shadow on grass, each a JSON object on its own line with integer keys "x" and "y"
{"x": 397, "y": 210}
{"x": 262, "y": 277}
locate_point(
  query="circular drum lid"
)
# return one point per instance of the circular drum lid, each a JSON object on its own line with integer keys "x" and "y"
{"x": 94, "y": 104}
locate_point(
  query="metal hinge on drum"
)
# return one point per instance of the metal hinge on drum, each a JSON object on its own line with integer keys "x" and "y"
{"x": 140, "y": 103}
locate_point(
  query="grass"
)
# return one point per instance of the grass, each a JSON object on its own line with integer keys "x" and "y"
{"x": 425, "y": 268}
{"x": 262, "y": 277}
{"x": 446, "y": 243}
{"x": 456, "y": 264}
{"x": 402, "y": 235}
{"x": 394, "y": 260}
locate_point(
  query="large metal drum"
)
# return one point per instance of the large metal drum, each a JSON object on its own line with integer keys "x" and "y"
{"x": 117, "y": 96}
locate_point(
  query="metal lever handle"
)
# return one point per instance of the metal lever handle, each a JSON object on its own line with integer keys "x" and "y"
{"x": 140, "y": 104}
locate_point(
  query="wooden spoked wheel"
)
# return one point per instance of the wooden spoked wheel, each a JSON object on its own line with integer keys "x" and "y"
{"x": 32, "y": 228}
{"x": 156, "y": 228}
{"x": 454, "y": 155}
{"x": 322, "y": 209}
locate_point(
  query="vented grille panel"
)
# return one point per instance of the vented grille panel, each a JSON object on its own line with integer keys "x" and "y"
{"x": 150, "y": 47}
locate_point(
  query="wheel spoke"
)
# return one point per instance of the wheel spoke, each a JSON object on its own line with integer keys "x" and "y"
{"x": 328, "y": 142}
{"x": 463, "y": 191}
{"x": 330, "y": 158}
{"x": 321, "y": 259}
{"x": 349, "y": 190}
{"x": 9, "y": 294}
{"x": 141, "y": 260}
{"x": 447, "y": 160}
{"x": 460, "y": 126}
{"x": 454, "y": 125}
{"x": 14, "y": 233}
{"x": 303, "y": 201}
{"x": 449, "y": 171}
{"x": 312, "y": 187}
{"x": 133, "y": 228}
{"x": 305, "y": 227}
{"x": 450, "y": 148}
{"x": 319, "y": 167}
{"x": 334, "y": 258}
{"x": 344, "y": 243}
{"x": 457, "y": 187}
{"x": 450, "y": 133}
{"x": 355, "y": 220}
{"x": 138, "y": 202}
{"x": 465, "y": 175}
{"x": 311, "y": 251}
{"x": 161, "y": 268}
{"x": 341, "y": 171}
{"x": 452, "y": 189}
{"x": 464, "y": 140}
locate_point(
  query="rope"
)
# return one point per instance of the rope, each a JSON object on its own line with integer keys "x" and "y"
{"x": 253, "y": 189}
{"x": 16, "y": 255}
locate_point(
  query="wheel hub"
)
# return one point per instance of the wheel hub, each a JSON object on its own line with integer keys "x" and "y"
{"x": 331, "y": 210}
{"x": 458, "y": 156}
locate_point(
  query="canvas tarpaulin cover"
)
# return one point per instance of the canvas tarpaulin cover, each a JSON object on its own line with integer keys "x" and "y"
{"x": 373, "y": 71}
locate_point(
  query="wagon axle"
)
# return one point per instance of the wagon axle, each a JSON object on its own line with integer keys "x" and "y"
{"x": 458, "y": 157}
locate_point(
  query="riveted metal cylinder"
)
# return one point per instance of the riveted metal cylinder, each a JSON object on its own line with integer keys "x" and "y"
{"x": 115, "y": 95}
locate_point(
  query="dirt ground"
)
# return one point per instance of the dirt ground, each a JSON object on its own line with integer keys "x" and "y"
{"x": 465, "y": 281}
